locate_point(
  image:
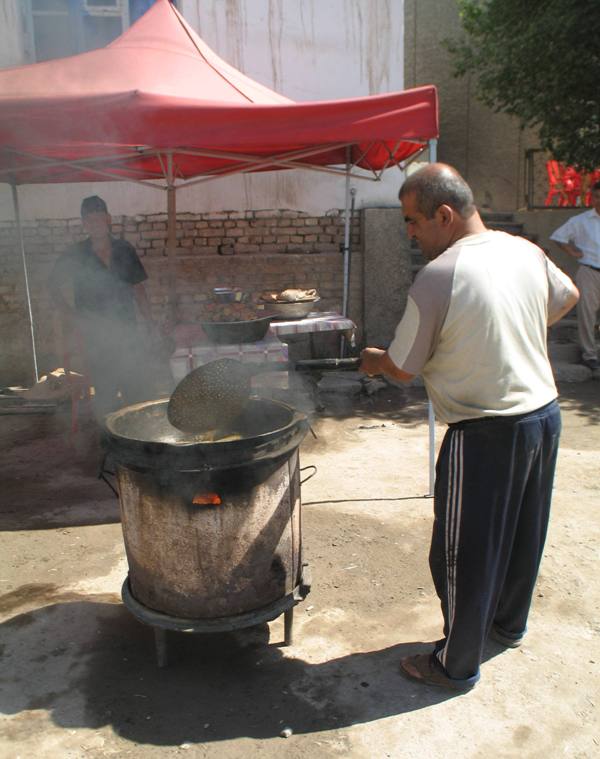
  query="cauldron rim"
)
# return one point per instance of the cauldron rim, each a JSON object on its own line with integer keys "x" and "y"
{"x": 295, "y": 418}
{"x": 192, "y": 454}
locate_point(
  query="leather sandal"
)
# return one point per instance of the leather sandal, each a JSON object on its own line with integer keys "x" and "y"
{"x": 425, "y": 669}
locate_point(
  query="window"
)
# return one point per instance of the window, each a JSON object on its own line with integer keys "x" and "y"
{"x": 57, "y": 28}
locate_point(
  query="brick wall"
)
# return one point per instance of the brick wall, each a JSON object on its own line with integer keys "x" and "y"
{"x": 254, "y": 250}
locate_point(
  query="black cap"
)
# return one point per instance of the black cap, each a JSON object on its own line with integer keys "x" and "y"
{"x": 93, "y": 204}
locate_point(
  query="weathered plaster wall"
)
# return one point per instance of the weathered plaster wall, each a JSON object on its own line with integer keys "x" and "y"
{"x": 307, "y": 50}
{"x": 12, "y": 38}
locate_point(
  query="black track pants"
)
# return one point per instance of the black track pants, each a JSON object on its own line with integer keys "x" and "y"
{"x": 491, "y": 508}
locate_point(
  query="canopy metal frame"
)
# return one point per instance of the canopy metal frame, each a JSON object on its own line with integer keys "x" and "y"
{"x": 169, "y": 180}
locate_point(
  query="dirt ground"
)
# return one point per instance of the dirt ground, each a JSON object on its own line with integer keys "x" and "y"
{"x": 79, "y": 677}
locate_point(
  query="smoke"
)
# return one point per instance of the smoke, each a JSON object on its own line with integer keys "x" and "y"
{"x": 296, "y": 389}
{"x": 122, "y": 363}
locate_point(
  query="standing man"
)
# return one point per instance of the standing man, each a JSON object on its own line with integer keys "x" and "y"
{"x": 98, "y": 285}
{"x": 580, "y": 238}
{"x": 475, "y": 329}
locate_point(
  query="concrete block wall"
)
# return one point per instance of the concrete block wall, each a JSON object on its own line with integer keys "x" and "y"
{"x": 255, "y": 250}
{"x": 488, "y": 148}
{"x": 387, "y": 274}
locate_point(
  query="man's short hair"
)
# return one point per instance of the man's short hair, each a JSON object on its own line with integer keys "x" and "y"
{"x": 596, "y": 186}
{"x": 93, "y": 204}
{"x": 442, "y": 186}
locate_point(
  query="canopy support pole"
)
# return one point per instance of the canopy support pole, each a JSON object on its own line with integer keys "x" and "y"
{"x": 171, "y": 244}
{"x": 15, "y": 196}
{"x": 346, "y": 262}
{"x": 430, "y": 414}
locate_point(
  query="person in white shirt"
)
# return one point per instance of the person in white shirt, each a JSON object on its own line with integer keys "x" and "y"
{"x": 475, "y": 328}
{"x": 580, "y": 238}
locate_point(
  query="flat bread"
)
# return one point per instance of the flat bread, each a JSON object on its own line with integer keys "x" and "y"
{"x": 289, "y": 295}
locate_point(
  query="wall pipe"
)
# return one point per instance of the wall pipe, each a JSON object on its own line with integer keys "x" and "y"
{"x": 15, "y": 196}
{"x": 346, "y": 249}
{"x": 430, "y": 414}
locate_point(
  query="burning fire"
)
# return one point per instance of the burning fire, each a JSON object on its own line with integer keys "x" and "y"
{"x": 206, "y": 499}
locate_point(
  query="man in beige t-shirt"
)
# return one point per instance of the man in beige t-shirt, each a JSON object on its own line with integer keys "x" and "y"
{"x": 475, "y": 328}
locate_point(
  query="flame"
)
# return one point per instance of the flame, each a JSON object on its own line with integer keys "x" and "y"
{"x": 206, "y": 499}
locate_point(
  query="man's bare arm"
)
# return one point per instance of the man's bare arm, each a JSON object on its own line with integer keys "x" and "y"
{"x": 572, "y": 299}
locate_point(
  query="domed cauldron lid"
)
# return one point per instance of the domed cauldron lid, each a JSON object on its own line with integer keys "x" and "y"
{"x": 141, "y": 436}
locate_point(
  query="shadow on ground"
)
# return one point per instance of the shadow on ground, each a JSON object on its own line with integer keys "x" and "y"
{"x": 582, "y": 400}
{"x": 216, "y": 687}
{"x": 405, "y": 406}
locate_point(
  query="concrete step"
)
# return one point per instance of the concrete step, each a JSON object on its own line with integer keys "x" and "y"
{"x": 565, "y": 352}
{"x": 511, "y": 227}
{"x": 564, "y": 331}
{"x": 496, "y": 216}
{"x": 564, "y": 372}
{"x": 565, "y": 355}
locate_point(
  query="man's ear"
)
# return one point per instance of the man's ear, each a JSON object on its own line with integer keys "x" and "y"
{"x": 445, "y": 215}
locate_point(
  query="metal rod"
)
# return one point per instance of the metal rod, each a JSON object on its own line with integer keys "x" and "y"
{"x": 290, "y": 155}
{"x": 413, "y": 157}
{"x": 50, "y": 162}
{"x": 430, "y": 414}
{"x": 250, "y": 164}
{"x": 171, "y": 240}
{"x": 346, "y": 233}
{"x": 433, "y": 150}
{"x": 431, "y": 421}
{"x": 15, "y": 196}
{"x": 297, "y": 167}
{"x": 288, "y": 627}
{"x": 83, "y": 165}
{"x": 346, "y": 260}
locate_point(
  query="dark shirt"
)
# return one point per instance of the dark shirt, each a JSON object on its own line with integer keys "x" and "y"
{"x": 99, "y": 290}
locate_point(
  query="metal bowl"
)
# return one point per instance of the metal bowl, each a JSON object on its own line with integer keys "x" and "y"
{"x": 237, "y": 332}
{"x": 294, "y": 310}
{"x": 228, "y": 295}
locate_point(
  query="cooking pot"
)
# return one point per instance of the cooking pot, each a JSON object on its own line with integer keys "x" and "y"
{"x": 142, "y": 437}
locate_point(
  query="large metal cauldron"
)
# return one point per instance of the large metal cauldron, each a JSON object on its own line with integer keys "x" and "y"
{"x": 190, "y": 560}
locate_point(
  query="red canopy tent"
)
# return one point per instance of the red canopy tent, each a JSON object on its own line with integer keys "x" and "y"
{"x": 159, "y": 107}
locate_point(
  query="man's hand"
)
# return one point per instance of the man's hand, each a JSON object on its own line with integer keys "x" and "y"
{"x": 370, "y": 361}
{"x": 376, "y": 361}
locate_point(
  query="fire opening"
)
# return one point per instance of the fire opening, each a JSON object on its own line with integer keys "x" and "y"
{"x": 207, "y": 499}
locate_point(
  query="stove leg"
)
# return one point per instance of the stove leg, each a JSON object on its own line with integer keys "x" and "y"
{"x": 160, "y": 642}
{"x": 288, "y": 627}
